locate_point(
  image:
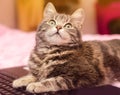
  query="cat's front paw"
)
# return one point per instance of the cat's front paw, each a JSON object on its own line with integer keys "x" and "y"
{"x": 36, "y": 88}
{"x": 24, "y": 81}
{"x": 19, "y": 83}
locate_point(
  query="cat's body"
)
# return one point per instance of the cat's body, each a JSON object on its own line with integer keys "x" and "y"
{"x": 60, "y": 62}
{"x": 94, "y": 62}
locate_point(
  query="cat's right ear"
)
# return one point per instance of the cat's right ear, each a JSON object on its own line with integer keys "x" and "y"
{"x": 78, "y": 16}
{"x": 49, "y": 10}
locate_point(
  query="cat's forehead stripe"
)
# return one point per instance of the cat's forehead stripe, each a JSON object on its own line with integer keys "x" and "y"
{"x": 62, "y": 17}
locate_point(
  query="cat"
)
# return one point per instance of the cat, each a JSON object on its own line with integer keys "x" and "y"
{"x": 60, "y": 59}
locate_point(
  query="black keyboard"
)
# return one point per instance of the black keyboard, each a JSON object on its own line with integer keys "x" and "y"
{"x": 6, "y": 86}
{"x": 8, "y": 75}
{"x": 6, "y": 78}
{"x": 7, "y": 89}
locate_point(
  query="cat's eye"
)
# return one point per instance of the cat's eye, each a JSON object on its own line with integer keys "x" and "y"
{"x": 52, "y": 22}
{"x": 68, "y": 26}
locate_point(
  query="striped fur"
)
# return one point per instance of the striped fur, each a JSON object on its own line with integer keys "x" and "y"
{"x": 69, "y": 65}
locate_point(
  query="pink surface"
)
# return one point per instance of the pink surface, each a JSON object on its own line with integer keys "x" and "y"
{"x": 15, "y": 45}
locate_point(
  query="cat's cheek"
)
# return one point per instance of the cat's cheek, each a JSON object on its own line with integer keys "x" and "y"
{"x": 50, "y": 32}
{"x": 65, "y": 36}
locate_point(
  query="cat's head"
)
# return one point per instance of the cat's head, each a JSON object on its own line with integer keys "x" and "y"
{"x": 60, "y": 29}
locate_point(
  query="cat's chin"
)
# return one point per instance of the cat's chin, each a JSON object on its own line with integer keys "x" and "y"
{"x": 57, "y": 40}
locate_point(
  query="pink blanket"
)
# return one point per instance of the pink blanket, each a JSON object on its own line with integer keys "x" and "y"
{"x": 16, "y": 45}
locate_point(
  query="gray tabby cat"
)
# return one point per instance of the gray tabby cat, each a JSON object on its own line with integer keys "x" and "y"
{"x": 60, "y": 59}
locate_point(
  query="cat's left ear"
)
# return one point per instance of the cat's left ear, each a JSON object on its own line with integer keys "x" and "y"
{"x": 49, "y": 10}
{"x": 78, "y": 16}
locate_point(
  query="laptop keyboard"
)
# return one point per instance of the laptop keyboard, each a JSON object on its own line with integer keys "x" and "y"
{"x": 6, "y": 86}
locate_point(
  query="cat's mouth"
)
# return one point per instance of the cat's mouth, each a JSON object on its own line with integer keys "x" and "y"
{"x": 57, "y": 33}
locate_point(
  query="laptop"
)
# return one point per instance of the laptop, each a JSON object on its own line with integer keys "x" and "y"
{"x": 8, "y": 75}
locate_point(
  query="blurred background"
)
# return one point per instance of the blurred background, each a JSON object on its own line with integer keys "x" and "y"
{"x": 19, "y": 20}
{"x": 102, "y": 16}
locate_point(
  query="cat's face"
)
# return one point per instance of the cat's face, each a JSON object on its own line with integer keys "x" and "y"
{"x": 60, "y": 29}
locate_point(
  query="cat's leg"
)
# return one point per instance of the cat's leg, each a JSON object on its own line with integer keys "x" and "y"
{"x": 48, "y": 85}
{"x": 23, "y": 81}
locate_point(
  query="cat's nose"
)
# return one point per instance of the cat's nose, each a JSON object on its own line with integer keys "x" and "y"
{"x": 58, "y": 27}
